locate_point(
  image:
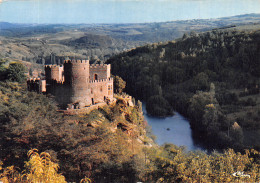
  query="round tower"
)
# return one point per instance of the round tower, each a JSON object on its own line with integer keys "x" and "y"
{"x": 76, "y": 73}
{"x": 54, "y": 72}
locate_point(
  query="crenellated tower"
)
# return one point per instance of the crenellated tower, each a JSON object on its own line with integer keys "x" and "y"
{"x": 76, "y": 74}
{"x": 54, "y": 72}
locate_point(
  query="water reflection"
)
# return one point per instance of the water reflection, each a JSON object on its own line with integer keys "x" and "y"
{"x": 175, "y": 129}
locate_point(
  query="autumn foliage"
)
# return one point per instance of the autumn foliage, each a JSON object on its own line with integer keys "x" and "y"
{"x": 39, "y": 168}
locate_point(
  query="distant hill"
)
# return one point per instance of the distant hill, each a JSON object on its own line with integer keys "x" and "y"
{"x": 90, "y": 41}
{"x": 36, "y": 42}
{"x": 134, "y": 32}
{"x": 7, "y": 25}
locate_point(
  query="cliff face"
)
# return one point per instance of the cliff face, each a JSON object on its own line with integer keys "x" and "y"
{"x": 113, "y": 144}
{"x": 125, "y": 116}
{"x": 111, "y": 137}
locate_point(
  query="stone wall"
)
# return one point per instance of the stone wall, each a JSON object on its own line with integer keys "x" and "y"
{"x": 101, "y": 90}
{"x": 37, "y": 85}
{"x": 54, "y": 72}
{"x": 76, "y": 74}
{"x": 99, "y": 71}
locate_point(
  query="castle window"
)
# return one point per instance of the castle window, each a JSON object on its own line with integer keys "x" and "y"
{"x": 91, "y": 91}
{"x": 101, "y": 88}
{"x": 95, "y": 77}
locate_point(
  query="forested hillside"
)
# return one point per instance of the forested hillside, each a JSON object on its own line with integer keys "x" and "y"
{"x": 212, "y": 78}
{"x": 109, "y": 144}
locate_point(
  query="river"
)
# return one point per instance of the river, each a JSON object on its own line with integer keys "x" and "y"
{"x": 175, "y": 129}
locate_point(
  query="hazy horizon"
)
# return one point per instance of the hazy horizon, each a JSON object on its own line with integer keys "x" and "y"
{"x": 120, "y": 11}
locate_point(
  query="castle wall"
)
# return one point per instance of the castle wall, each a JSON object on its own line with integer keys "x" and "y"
{"x": 101, "y": 90}
{"x": 42, "y": 86}
{"x": 76, "y": 84}
{"x": 101, "y": 70}
{"x": 62, "y": 94}
{"x": 36, "y": 85}
{"x": 33, "y": 85}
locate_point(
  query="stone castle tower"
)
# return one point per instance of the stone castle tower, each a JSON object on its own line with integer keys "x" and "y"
{"x": 77, "y": 84}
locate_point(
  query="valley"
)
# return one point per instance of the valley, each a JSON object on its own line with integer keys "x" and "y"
{"x": 52, "y": 43}
{"x": 206, "y": 70}
{"x": 212, "y": 78}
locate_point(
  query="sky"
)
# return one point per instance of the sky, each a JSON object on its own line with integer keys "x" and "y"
{"x": 120, "y": 11}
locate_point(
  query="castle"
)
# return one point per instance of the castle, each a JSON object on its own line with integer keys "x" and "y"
{"x": 76, "y": 83}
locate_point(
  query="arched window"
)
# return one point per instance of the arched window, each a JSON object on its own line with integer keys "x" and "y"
{"x": 95, "y": 77}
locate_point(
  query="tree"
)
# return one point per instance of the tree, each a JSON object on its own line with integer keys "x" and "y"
{"x": 40, "y": 168}
{"x": 119, "y": 84}
{"x": 237, "y": 133}
{"x": 210, "y": 118}
{"x": 203, "y": 103}
{"x": 3, "y": 69}
{"x": 16, "y": 72}
{"x": 169, "y": 163}
{"x": 197, "y": 105}
{"x": 200, "y": 82}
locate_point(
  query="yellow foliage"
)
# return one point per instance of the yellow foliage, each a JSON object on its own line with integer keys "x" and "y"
{"x": 40, "y": 168}
{"x": 210, "y": 106}
{"x": 173, "y": 165}
{"x": 85, "y": 180}
{"x": 10, "y": 174}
